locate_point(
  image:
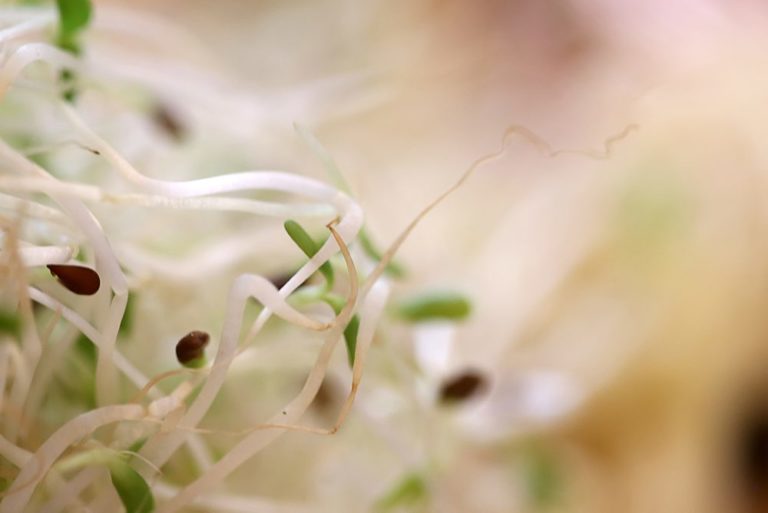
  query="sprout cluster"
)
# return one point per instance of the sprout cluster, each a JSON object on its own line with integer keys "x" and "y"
{"x": 129, "y": 422}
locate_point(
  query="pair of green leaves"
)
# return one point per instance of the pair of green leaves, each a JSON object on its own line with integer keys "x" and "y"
{"x": 307, "y": 244}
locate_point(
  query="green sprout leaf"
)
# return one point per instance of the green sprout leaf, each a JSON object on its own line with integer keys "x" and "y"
{"x": 435, "y": 306}
{"x": 137, "y": 445}
{"x": 308, "y": 245}
{"x": 350, "y": 332}
{"x": 134, "y": 492}
{"x": 350, "y": 338}
{"x": 337, "y": 178}
{"x": 9, "y": 323}
{"x": 393, "y": 268}
{"x": 74, "y": 16}
{"x": 543, "y": 477}
{"x": 126, "y": 324}
{"x": 409, "y": 491}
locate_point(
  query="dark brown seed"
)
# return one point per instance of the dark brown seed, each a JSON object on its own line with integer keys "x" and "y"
{"x": 279, "y": 280}
{"x": 191, "y": 347}
{"x": 80, "y": 280}
{"x": 462, "y": 387}
{"x": 168, "y": 122}
{"x": 328, "y": 397}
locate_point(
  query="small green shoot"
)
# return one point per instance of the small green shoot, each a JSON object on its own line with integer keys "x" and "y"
{"x": 74, "y": 16}
{"x": 133, "y": 490}
{"x": 350, "y": 339}
{"x": 10, "y": 323}
{"x": 126, "y": 324}
{"x": 77, "y": 383}
{"x": 137, "y": 445}
{"x": 86, "y": 349}
{"x": 350, "y": 332}
{"x": 308, "y": 245}
{"x": 435, "y": 306}
{"x": 93, "y": 457}
{"x": 543, "y": 478}
{"x": 394, "y": 269}
{"x": 408, "y": 492}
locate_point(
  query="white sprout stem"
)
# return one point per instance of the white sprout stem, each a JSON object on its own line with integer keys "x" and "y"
{"x": 247, "y": 180}
{"x": 92, "y": 193}
{"x": 347, "y": 229}
{"x": 36, "y": 256}
{"x": 370, "y": 312}
{"x": 264, "y": 208}
{"x": 199, "y": 452}
{"x": 26, "y": 27}
{"x": 33, "y": 209}
{"x": 51, "y": 187}
{"x": 106, "y": 378}
{"x": 35, "y": 469}
{"x": 32, "y": 346}
{"x": 219, "y": 253}
{"x": 11, "y": 361}
{"x": 28, "y": 53}
{"x": 13, "y": 453}
{"x": 53, "y": 356}
{"x": 160, "y": 447}
{"x": 236, "y": 504}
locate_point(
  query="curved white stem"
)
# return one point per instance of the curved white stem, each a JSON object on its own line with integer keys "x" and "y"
{"x": 93, "y": 193}
{"x": 163, "y": 445}
{"x": 28, "y": 53}
{"x": 36, "y": 256}
{"x": 27, "y": 27}
{"x": 33, "y": 209}
{"x": 13, "y": 453}
{"x": 68, "y": 493}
